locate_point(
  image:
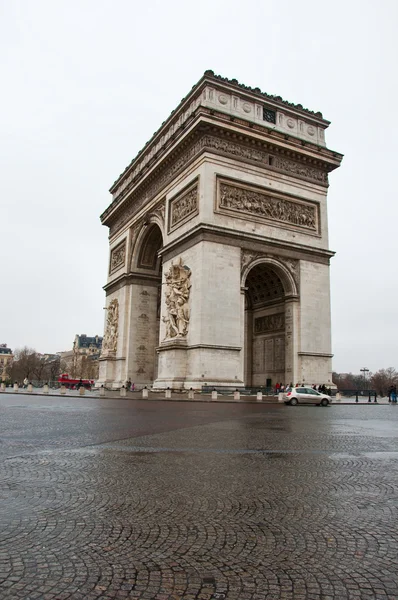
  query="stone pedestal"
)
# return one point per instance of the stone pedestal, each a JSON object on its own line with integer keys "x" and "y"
{"x": 145, "y": 393}
{"x": 82, "y": 391}
{"x": 16, "y": 387}
{"x": 102, "y": 391}
{"x": 30, "y": 388}
{"x": 259, "y": 396}
{"x": 123, "y": 392}
{"x": 45, "y": 388}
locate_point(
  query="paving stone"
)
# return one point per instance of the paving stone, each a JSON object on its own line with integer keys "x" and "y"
{"x": 106, "y": 500}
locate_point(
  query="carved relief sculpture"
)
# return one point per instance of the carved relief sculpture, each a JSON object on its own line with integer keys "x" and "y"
{"x": 109, "y": 343}
{"x": 183, "y": 207}
{"x": 118, "y": 257}
{"x": 263, "y": 205}
{"x": 178, "y": 287}
{"x": 269, "y": 323}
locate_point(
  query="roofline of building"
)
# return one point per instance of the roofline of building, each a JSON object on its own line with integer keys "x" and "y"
{"x": 276, "y": 102}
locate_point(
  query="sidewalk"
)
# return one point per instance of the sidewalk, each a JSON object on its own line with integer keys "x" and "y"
{"x": 183, "y": 397}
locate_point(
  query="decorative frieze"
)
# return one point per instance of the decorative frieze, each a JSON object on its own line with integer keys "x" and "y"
{"x": 254, "y": 203}
{"x": 269, "y": 323}
{"x": 184, "y": 206}
{"x": 118, "y": 257}
{"x": 227, "y": 147}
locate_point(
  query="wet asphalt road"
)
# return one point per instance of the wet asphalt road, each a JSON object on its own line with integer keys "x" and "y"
{"x": 167, "y": 500}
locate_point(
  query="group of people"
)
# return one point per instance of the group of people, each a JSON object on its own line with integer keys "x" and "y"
{"x": 280, "y": 387}
{"x": 130, "y": 386}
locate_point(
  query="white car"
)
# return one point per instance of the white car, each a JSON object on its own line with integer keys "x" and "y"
{"x": 305, "y": 395}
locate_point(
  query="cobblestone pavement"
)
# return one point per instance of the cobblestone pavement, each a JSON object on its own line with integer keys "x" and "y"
{"x": 109, "y": 499}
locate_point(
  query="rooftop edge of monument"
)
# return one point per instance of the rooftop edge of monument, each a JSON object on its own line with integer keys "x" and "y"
{"x": 257, "y": 90}
{"x": 209, "y": 75}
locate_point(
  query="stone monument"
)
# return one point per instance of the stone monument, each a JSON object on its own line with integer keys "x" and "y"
{"x": 219, "y": 258}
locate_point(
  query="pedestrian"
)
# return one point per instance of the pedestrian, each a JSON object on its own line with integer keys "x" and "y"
{"x": 25, "y": 382}
{"x": 128, "y": 385}
{"x": 132, "y": 387}
{"x": 277, "y": 387}
{"x": 394, "y": 394}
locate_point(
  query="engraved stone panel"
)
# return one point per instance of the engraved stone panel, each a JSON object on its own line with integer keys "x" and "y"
{"x": 279, "y": 362}
{"x": 184, "y": 206}
{"x": 262, "y": 205}
{"x": 118, "y": 257}
{"x": 258, "y": 355}
{"x": 269, "y": 354}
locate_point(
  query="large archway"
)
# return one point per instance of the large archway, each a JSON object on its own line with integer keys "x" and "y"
{"x": 267, "y": 289}
{"x": 146, "y": 267}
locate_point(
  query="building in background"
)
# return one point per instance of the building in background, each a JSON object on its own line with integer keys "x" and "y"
{"x": 6, "y": 358}
{"x": 82, "y": 360}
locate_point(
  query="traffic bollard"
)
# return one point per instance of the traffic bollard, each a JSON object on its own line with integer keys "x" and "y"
{"x": 168, "y": 393}
{"x": 145, "y": 392}
{"x": 102, "y": 391}
{"x": 236, "y": 395}
{"x": 259, "y": 396}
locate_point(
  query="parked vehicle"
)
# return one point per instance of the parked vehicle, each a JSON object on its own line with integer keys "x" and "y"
{"x": 305, "y": 395}
{"x": 74, "y": 384}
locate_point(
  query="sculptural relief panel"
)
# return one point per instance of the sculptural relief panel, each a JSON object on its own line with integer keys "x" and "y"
{"x": 183, "y": 207}
{"x": 109, "y": 343}
{"x": 118, "y": 257}
{"x": 269, "y": 323}
{"x": 178, "y": 289}
{"x": 260, "y": 205}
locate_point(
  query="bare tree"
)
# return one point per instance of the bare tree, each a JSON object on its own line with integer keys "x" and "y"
{"x": 382, "y": 380}
{"x": 26, "y": 360}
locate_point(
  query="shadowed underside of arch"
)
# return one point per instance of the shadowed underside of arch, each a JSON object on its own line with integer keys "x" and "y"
{"x": 149, "y": 248}
{"x": 264, "y": 286}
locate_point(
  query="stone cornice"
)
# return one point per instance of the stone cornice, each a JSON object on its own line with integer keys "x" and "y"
{"x": 128, "y": 278}
{"x": 242, "y": 142}
{"x": 246, "y": 240}
{"x": 183, "y": 114}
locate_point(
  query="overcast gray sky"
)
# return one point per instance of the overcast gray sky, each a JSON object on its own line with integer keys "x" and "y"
{"x": 86, "y": 83}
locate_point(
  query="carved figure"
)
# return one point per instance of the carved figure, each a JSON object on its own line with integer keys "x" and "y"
{"x": 178, "y": 287}
{"x": 109, "y": 342}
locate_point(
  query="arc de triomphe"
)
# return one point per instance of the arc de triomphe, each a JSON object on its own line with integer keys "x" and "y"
{"x": 219, "y": 259}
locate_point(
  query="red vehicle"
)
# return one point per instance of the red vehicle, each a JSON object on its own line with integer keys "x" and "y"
{"x": 74, "y": 384}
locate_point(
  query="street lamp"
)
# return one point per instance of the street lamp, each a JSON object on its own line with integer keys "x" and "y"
{"x": 364, "y": 370}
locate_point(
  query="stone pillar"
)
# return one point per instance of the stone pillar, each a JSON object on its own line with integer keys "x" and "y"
{"x": 30, "y": 388}
{"x": 168, "y": 393}
{"x": 259, "y": 396}
{"x": 191, "y": 394}
{"x": 45, "y": 388}
{"x": 236, "y": 395}
{"x": 123, "y": 392}
{"x": 82, "y": 390}
{"x": 16, "y": 387}
{"x": 102, "y": 391}
{"x": 292, "y": 367}
{"x": 63, "y": 390}
{"x": 2, "y": 387}
{"x": 214, "y": 395}
{"x": 145, "y": 393}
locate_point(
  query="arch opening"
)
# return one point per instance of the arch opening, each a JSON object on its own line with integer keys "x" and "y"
{"x": 265, "y": 331}
{"x": 146, "y": 264}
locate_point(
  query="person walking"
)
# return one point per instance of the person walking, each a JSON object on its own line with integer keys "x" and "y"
{"x": 394, "y": 394}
